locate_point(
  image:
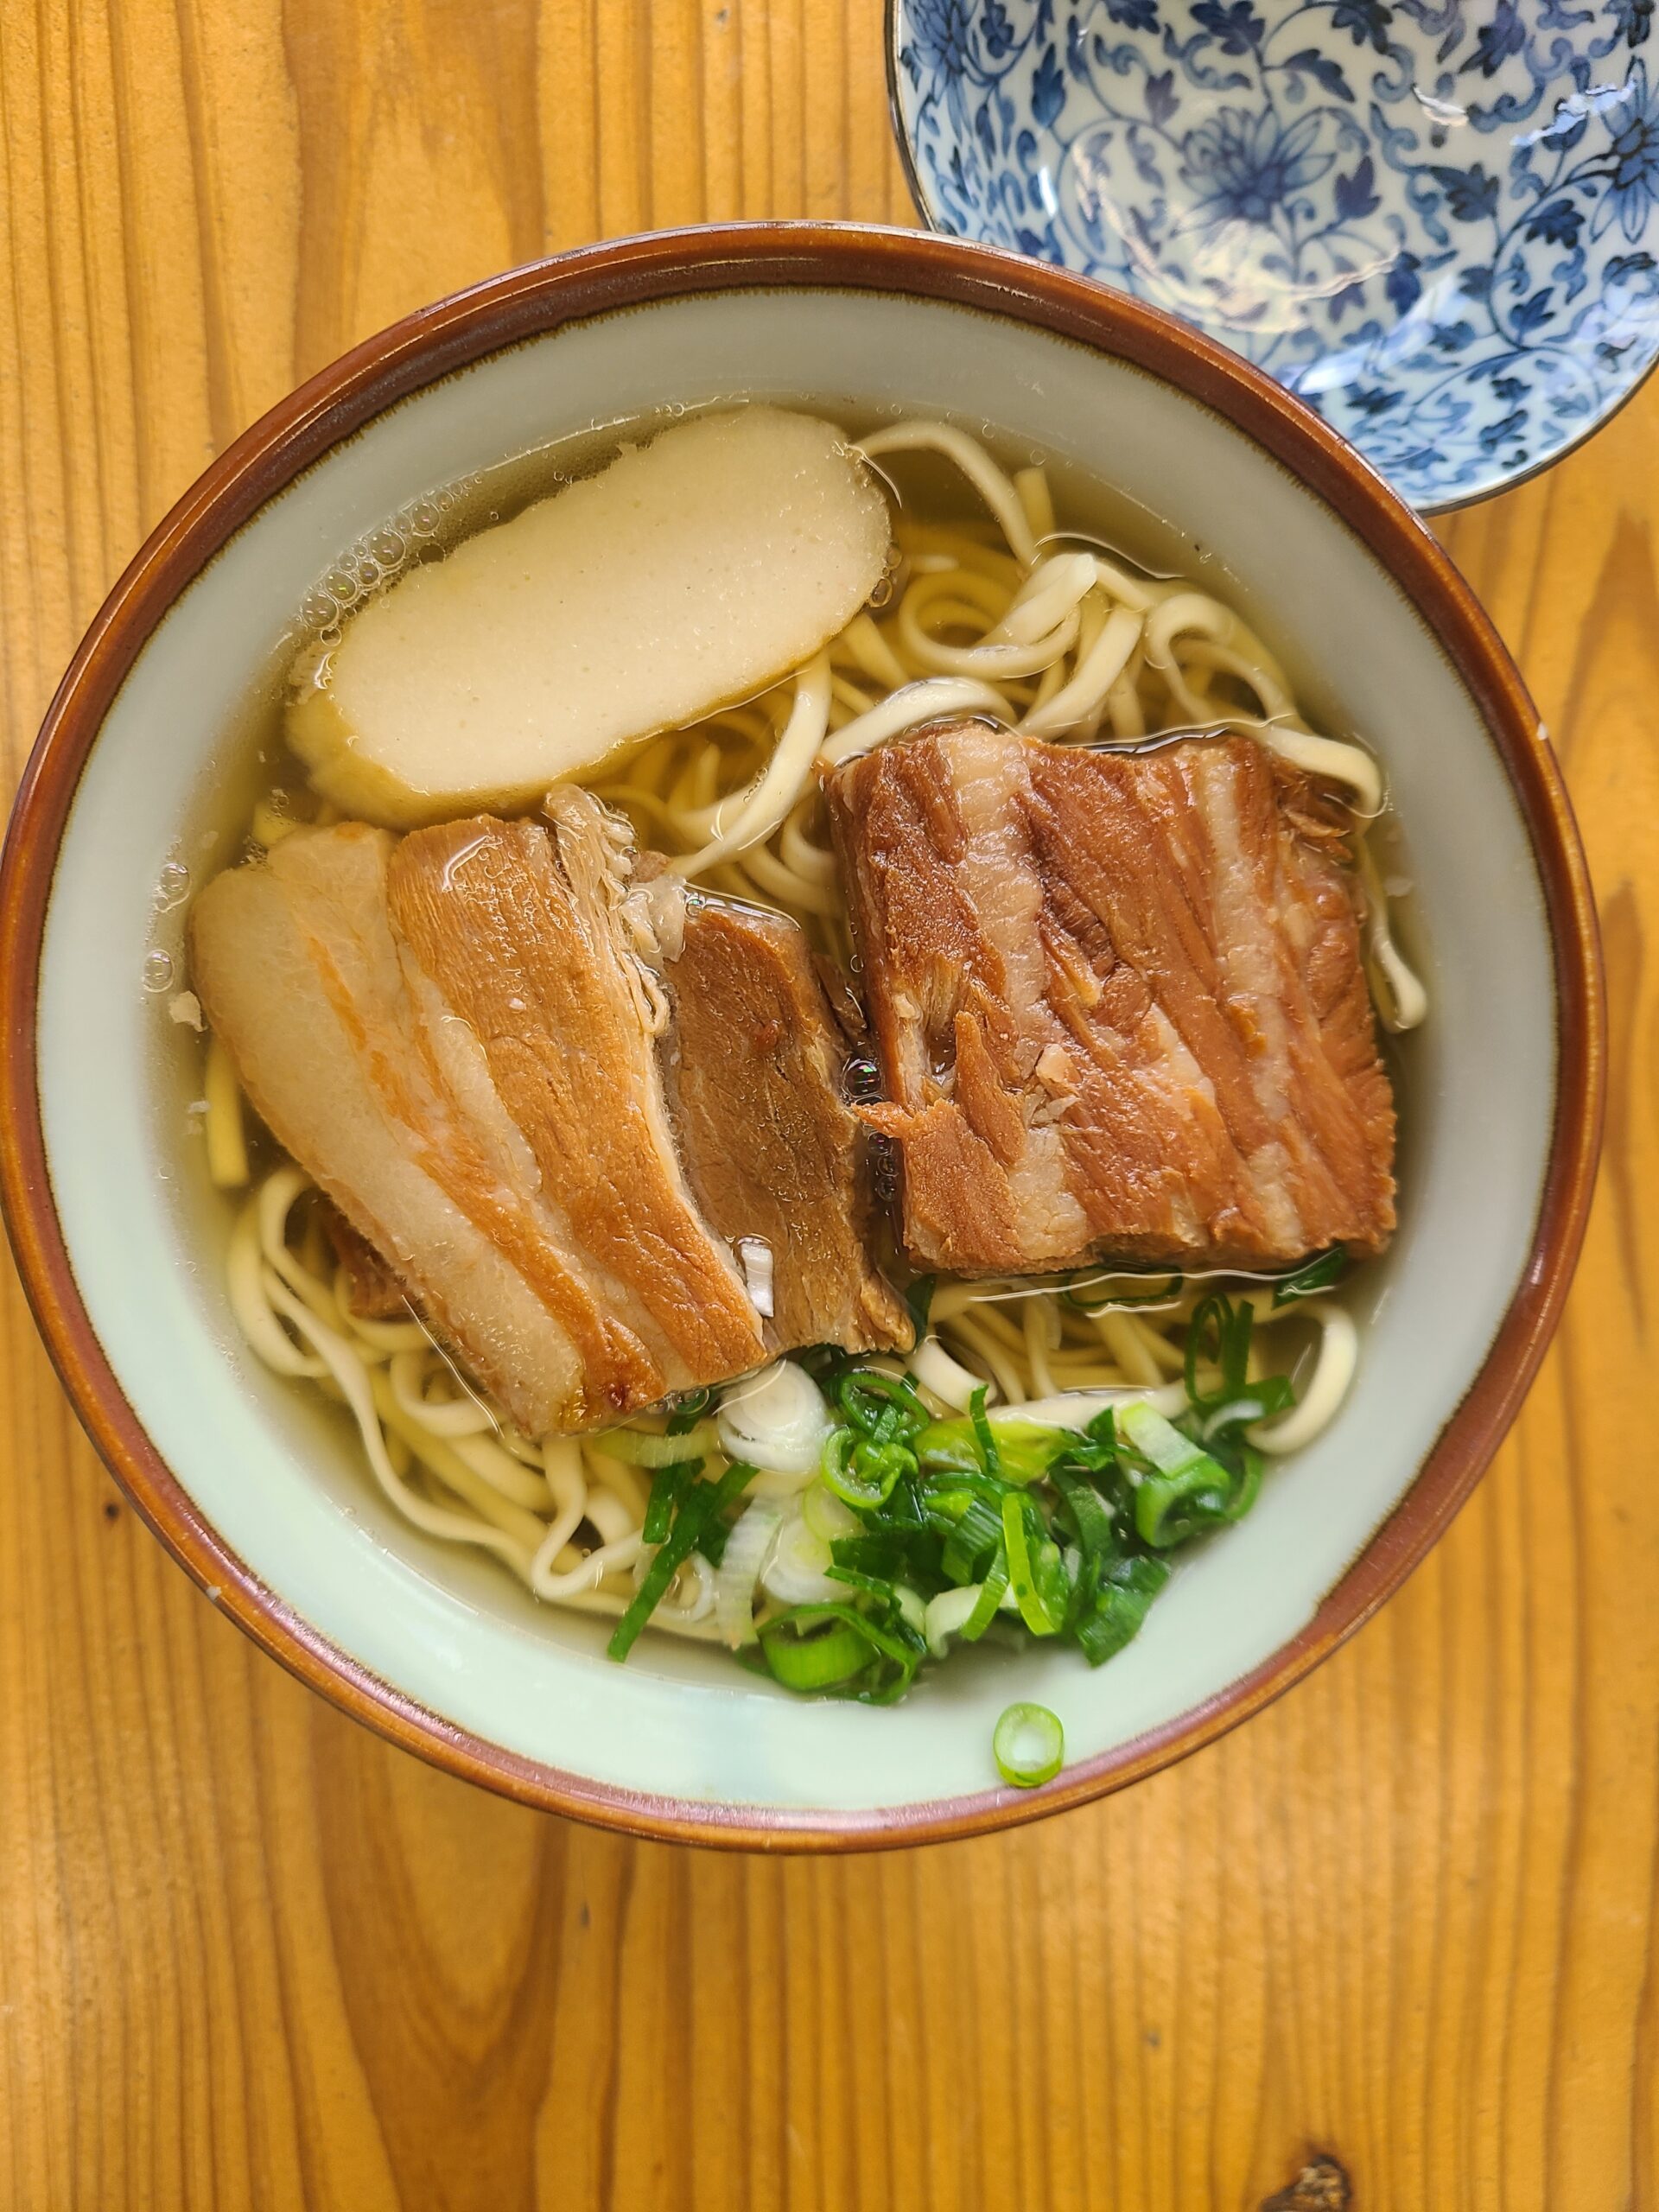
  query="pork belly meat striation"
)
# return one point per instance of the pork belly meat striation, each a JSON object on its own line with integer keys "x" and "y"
{"x": 520, "y": 932}
{"x": 1118, "y": 1002}
{"x": 775, "y": 1156}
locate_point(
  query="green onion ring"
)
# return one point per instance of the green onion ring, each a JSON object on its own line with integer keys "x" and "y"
{"x": 817, "y": 1660}
{"x": 1028, "y": 1745}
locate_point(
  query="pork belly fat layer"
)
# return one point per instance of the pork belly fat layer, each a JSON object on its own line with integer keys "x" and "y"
{"x": 296, "y": 967}
{"x": 1118, "y": 1002}
{"x": 774, "y": 1154}
{"x": 450, "y": 1035}
{"x": 520, "y": 934}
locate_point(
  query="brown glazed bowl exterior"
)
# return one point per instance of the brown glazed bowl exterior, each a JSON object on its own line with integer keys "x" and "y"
{"x": 532, "y": 300}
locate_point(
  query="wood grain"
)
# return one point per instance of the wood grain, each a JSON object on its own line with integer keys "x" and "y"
{"x": 248, "y": 1955}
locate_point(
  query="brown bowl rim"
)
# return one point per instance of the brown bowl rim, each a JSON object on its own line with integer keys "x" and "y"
{"x": 527, "y": 302}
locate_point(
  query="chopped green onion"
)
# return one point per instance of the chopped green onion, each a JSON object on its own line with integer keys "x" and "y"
{"x": 798, "y": 1569}
{"x": 1089, "y": 1514}
{"x": 972, "y": 1542}
{"x": 1187, "y": 1491}
{"x": 913, "y": 1607}
{"x": 1114, "y": 1619}
{"x": 805, "y": 1657}
{"x": 1029, "y": 1746}
{"x": 857, "y": 1578}
{"x": 1230, "y": 1326}
{"x": 881, "y": 1554}
{"x": 990, "y": 1458}
{"x": 992, "y": 1591}
{"x": 1246, "y": 1481}
{"x": 1102, "y": 1434}
{"x": 949, "y": 1446}
{"x": 887, "y": 1670}
{"x": 935, "y": 1530}
{"x": 1029, "y": 1593}
{"x": 864, "y": 1462}
{"x": 1313, "y": 1276}
{"x": 825, "y": 1515}
{"x": 688, "y": 1411}
{"x": 1024, "y": 1450}
{"x": 712, "y": 1542}
{"x": 1272, "y": 1395}
{"x": 944, "y": 1503}
{"x": 1052, "y": 1585}
{"x": 947, "y": 1615}
{"x": 667, "y": 1486}
{"x": 698, "y": 1515}
{"x": 880, "y": 1405}
{"x": 860, "y": 1471}
{"x": 825, "y": 1363}
{"x": 1157, "y": 1439}
{"x": 640, "y": 1448}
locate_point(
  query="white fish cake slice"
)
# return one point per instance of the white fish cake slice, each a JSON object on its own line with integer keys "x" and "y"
{"x": 690, "y": 573}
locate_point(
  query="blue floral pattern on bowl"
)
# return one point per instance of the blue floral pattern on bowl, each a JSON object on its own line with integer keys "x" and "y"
{"x": 1438, "y": 224}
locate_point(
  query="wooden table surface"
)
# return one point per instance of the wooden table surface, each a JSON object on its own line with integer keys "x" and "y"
{"x": 251, "y": 1956}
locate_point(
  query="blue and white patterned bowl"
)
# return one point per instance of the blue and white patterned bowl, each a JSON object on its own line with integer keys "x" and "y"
{"x": 1438, "y": 225}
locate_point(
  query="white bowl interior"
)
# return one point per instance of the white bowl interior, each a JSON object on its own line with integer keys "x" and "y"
{"x": 275, "y": 1473}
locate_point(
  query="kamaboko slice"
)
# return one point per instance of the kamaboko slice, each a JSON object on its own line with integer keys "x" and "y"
{"x": 691, "y": 572}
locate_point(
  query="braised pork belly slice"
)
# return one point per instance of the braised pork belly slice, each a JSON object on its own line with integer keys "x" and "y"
{"x": 775, "y": 1156}
{"x": 452, "y": 1035}
{"x": 1118, "y": 1004}
{"x": 518, "y": 930}
{"x": 297, "y": 969}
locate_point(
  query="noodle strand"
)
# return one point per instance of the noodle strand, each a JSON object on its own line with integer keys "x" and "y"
{"x": 1009, "y": 620}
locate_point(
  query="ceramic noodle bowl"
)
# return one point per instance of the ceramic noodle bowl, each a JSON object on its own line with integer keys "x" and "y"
{"x": 1435, "y": 225}
{"x": 255, "y": 1484}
